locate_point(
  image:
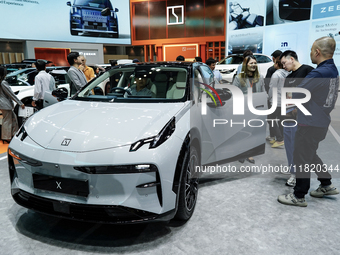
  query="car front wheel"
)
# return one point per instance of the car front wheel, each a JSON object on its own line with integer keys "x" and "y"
{"x": 189, "y": 186}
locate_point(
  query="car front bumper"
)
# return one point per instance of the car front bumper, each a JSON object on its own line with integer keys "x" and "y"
{"x": 131, "y": 197}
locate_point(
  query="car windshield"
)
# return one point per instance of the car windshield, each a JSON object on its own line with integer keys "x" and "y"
{"x": 262, "y": 59}
{"x": 94, "y": 3}
{"x": 20, "y": 77}
{"x": 231, "y": 60}
{"x": 138, "y": 83}
{"x": 20, "y": 72}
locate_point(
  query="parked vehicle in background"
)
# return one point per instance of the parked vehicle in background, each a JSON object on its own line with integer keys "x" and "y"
{"x": 228, "y": 66}
{"x": 86, "y": 17}
{"x": 26, "y": 63}
{"x": 125, "y": 157}
{"x": 22, "y": 83}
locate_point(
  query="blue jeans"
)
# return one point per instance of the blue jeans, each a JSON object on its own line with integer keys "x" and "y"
{"x": 288, "y": 137}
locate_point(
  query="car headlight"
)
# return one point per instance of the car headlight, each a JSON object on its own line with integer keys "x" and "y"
{"x": 24, "y": 159}
{"x": 157, "y": 140}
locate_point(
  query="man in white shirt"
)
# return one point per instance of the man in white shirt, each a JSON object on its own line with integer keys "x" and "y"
{"x": 211, "y": 63}
{"x": 43, "y": 82}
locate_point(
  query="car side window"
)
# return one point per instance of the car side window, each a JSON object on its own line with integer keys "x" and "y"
{"x": 197, "y": 85}
{"x": 208, "y": 76}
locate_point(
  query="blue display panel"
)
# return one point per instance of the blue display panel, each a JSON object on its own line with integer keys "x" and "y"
{"x": 66, "y": 21}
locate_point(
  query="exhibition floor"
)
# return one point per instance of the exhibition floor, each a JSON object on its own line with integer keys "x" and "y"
{"x": 235, "y": 214}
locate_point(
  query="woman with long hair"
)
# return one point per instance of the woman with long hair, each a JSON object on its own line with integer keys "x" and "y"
{"x": 249, "y": 76}
{"x": 9, "y": 120}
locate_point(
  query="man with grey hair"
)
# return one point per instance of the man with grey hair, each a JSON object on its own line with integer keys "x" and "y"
{"x": 322, "y": 83}
{"x": 88, "y": 71}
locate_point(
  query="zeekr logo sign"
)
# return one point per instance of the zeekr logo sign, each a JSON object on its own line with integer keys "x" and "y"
{"x": 324, "y": 10}
{"x": 238, "y": 100}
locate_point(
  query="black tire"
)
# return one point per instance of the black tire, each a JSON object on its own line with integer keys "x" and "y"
{"x": 188, "y": 190}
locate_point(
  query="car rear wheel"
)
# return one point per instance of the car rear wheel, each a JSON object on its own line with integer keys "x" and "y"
{"x": 189, "y": 186}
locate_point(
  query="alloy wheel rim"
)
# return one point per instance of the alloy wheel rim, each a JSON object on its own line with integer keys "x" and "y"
{"x": 191, "y": 184}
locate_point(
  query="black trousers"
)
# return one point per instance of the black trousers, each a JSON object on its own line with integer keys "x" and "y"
{"x": 39, "y": 104}
{"x": 306, "y": 160}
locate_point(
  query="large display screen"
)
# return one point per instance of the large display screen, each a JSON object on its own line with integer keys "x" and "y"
{"x": 264, "y": 26}
{"x": 70, "y": 21}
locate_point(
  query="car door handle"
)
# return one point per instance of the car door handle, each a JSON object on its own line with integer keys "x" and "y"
{"x": 259, "y": 106}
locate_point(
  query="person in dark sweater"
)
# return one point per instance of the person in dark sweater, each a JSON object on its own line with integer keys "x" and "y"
{"x": 322, "y": 83}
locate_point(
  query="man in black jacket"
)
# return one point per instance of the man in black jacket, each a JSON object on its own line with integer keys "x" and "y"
{"x": 322, "y": 83}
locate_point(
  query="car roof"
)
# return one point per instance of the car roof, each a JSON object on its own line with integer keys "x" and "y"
{"x": 33, "y": 60}
{"x": 241, "y": 55}
{"x": 169, "y": 63}
{"x": 141, "y": 65}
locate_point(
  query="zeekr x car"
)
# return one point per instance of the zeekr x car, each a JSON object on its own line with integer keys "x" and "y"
{"x": 123, "y": 157}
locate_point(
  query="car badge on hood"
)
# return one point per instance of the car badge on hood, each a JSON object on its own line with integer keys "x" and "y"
{"x": 65, "y": 142}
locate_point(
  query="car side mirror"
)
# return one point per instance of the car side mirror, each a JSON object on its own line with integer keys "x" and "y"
{"x": 106, "y": 12}
{"x": 116, "y": 10}
{"x": 60, "y": 93}
{"x": 68, "y": 3}
{"x": 224, "y": 94}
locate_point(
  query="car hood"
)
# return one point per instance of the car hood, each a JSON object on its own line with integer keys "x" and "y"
{"x": 20, "y": 89}
{"x": 85, "y": 126}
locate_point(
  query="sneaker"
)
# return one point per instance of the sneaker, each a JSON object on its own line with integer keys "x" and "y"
{"x": 291, "y": 199}
{"x": 272, "y": 141}
{"x": 285, "y": 171}
{"x": 324, "y": 191}
{"x": 270, "y": 138}
{"x": 278, "y": 144}
{"x": 291, "y": 181}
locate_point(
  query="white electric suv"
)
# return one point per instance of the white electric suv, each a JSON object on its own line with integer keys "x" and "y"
{"x": 130, "y": 156}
